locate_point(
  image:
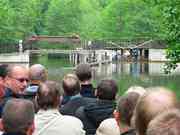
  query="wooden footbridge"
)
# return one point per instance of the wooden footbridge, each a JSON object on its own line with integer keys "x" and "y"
{"x": 75, "y": 39}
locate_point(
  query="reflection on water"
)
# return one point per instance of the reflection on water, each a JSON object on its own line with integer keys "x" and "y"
{"x": 135, "y": 69}
{"x": 126, "y": 73}
{"x": 57, "y": 68}
{"x": 138, "y": 73}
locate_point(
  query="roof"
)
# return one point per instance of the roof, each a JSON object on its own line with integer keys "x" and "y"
{"x": 150, "y": 44}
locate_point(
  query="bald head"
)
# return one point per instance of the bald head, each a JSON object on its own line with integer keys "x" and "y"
{"x": 16, "y": 70}
{"x": 155, "y": 101}
{"x": 137, "y": 89}
{"x": 71, "y": 85}
{"x": 18, "y": 115}
{"x": 38, "y": 73}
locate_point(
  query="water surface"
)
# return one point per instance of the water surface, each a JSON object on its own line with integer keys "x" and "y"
{"x": 126, "y": 74}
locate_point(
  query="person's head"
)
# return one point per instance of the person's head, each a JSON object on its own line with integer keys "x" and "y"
{"x": 167, "y": 123}
{"x": 71, "y": 85}
{"x": 125, "y": 108}
{"x": 84, "y": 72}
{"x": 38, "y": 73}
{"x": 3, "y": 74}
{"x": 3, "y": 71}
{"x": 108, "y": 127}
{"x": 137, "y": 89}
{"x": 106, "y": 90}
{"x": 18, "y": 116}
{"x": 18, "y": 78}
{"x": 153, "y": 102}
{"x": 48, "y": 95}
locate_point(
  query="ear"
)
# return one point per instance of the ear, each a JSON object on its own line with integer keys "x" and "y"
{"x": 31, "y": 129}
{"x": 95, "y": 92}
{"x": 1, "y": 125}
{"x": 117, "y": 116}
{"x": 46, "y": 74}
{"x": 36, "y": 98}
{"x": 59, "y": 100}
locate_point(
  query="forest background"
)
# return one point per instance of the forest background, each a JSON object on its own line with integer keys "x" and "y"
{"x": 93, "y": 20}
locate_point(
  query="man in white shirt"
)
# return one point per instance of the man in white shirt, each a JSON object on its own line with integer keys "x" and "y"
{"x": 48, "y": 120}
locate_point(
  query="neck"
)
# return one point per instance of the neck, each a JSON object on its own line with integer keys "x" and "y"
{"x": 14, "y": 133}
{"x": 124, "y": 128}
{"x": 85, "y": 82}
{"x": 35, "y": 82}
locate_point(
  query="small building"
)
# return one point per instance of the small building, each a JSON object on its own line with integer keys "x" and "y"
{"x": 154, "y": 51}
{"x": 150, "y": 50}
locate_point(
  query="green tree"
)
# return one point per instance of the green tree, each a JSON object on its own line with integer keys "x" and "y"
{"x": 171, "y": 12}
{"x": 63, "y": 17}
{"x": 90, "y": 19}
{"x": 131, "y": 19}
{"x": 17, "y": 19}
{"x": 41, "y": 8}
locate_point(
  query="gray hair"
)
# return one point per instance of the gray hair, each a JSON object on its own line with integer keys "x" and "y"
{"x": 18, "y": 115}
{"x": 38, "y": 72}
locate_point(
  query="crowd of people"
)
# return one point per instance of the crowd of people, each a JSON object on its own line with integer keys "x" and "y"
{"x": 31, "y": 104}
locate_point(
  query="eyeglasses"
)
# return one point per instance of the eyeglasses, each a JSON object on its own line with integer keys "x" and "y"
{"x": 21, "y": 79}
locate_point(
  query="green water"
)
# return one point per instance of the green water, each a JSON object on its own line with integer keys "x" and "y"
{"x": 57, "y": 68}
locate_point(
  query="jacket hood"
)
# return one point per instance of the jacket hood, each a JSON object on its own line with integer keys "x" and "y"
{"x": 99, "y": 111}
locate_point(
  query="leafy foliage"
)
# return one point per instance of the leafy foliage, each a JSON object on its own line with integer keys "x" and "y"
{"x": 63, "y": 17}
{"x": 94, "y": 19}
{"x": 172, "y": 23}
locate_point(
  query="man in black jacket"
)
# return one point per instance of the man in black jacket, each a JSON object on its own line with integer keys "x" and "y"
{"x": 72, "y": 97}
{"x": 94, "y": 113}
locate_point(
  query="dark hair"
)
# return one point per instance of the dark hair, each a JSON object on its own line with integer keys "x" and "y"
{"x": 71, "y": 85}
{"x": 83, "y": 72}
{"x": 48, "y": 95}
{"x": 3, "y": 70}
{"x": 18, "y": 115}
{"x": 107, "y": 90}
{"x": 126, "y": 105}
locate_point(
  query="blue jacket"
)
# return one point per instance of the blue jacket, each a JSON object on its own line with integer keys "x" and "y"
{"x": 8, "y": 95}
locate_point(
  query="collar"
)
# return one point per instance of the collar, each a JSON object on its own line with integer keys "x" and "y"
{"x": 9, "y": 93}
{"x": 9, "y": 133}
{"x": 49, "y": 111}
{"x": 75, "y": 96}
